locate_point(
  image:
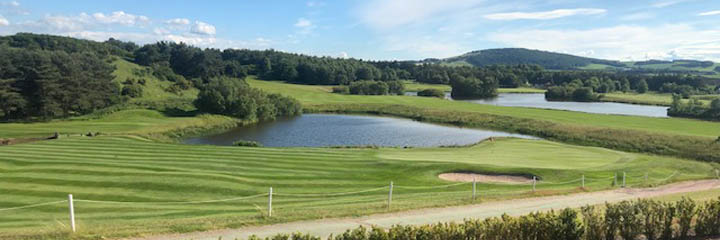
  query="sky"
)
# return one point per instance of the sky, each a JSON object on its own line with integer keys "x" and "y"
{"x": 390, "y": 29}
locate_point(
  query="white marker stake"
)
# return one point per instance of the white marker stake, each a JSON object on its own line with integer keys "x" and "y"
{"x": 583, "y": 181}
{"x": 623, "y": 179}
{"x": 270, "y": 203}
{"x": 473, "y": 193}
{"x": 615, "y": 180}
{"x": 390, "y": 195}
{"x": 72, "y": 212}
{"x": 534, "y": 182}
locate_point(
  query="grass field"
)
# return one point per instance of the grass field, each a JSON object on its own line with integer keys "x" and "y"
{"x": 314, "y": 95}
{"x": 660, "y": 99}
{"x": 133, "y": 169}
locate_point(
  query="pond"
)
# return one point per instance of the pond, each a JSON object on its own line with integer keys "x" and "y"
{"x": 537, "y": 100}
{"x": 322, "y": 130}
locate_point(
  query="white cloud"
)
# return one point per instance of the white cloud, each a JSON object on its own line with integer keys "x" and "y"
{"x": 4, "y": 21}
{"x": 203, "y": 28}
{"x": 380, "y": 14}
{"x": 315, "y": 4}
{"x": 426, "y": 46}
{"x": 178, "y": 21}
{"x": 161, "y": 31}
{"x": 342, "y": 55}
{"x": 120, "y": 17}
{"x": 12, "y": 3}
{"x": 303, "y": 23}
{"x": 558, "y": 13}
{"x": 710, "y": 13}
{"x": 667, "y": 3}
{"x": 305, "y": 26}
{"x": 637, "y": 16}
{"x": 621, "y": 42}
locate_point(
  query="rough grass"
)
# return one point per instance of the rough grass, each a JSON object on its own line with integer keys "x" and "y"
{"x": 154, "y": 89}
{"x": 133, "y": 121}
{"x": 660, "y": 99}
{"x": 115, "y": 168}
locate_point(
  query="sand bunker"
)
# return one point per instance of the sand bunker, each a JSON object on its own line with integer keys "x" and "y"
{"x": 468, "y": 177}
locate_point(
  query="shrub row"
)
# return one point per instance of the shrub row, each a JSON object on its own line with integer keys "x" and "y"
{"x": 698, "y": 148}
{"x": 628, "y": 220}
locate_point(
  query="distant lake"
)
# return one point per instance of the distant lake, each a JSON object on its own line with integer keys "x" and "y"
{"x": 537, "y": 100}
{"x": 321, "y": 130}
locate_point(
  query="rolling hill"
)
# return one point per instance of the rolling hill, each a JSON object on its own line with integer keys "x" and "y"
{"x": 561, "y": 61}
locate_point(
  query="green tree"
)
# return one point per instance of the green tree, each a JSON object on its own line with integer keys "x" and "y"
{"x": 642, "y": 86}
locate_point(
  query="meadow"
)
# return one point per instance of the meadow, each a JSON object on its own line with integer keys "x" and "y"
{"x": 145, "y": 182}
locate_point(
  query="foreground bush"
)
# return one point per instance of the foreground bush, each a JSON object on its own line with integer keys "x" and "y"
{"x": 643, "y": 219}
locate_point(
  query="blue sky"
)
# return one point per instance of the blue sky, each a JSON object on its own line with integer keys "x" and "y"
{"x": 390, "y": 29}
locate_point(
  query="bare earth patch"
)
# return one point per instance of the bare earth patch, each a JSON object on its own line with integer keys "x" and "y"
{"x": 484, "y": 178}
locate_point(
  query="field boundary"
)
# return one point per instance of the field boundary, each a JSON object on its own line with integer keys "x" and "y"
{"x": 619, "y": 181}
{"x": 513, "y": 207}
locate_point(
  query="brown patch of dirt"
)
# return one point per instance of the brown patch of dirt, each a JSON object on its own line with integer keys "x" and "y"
{"x": 484, "y": 178}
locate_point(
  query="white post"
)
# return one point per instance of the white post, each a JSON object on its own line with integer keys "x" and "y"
{"x": 646, "y": 177}
{"x": 615, "y": 180}
{"x": 583, "y": 181}
{"x": 270, "y": 202}
{"x": 390, "y": 195}
{"x": 473, "y": 192}
{"x": 72, "y": 212}
{"x": 534, "y": 182}
{"x": 623, "y": 179}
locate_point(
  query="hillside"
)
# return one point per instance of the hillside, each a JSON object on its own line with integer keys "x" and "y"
{"x": 512, "y": 56}
{"x": 561, "y": 61}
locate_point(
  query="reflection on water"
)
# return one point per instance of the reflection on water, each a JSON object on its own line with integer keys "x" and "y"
{"x": 316, "y": 130}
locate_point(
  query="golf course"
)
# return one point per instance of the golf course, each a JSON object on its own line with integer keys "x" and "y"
{"x": 111, "y": 140}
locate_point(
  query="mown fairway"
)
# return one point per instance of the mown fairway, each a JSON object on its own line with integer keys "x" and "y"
{"x": 151, "y": 174}
{"x": 311, "y": 95}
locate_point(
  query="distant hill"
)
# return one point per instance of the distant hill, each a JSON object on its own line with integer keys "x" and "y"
{"x": 509, "y": 56}
{"x": 561, "y": 61}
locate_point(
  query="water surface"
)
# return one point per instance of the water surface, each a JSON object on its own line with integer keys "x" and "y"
{"x": 320, "y": 130}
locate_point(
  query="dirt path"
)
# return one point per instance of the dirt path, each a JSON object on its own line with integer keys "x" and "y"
{"x": 325, "y": 227}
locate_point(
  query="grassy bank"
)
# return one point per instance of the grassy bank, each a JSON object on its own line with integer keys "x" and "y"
{"x": 130, "y": 169}
{"x": 133, "y": 121}
{"x": 659, "y": 99}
